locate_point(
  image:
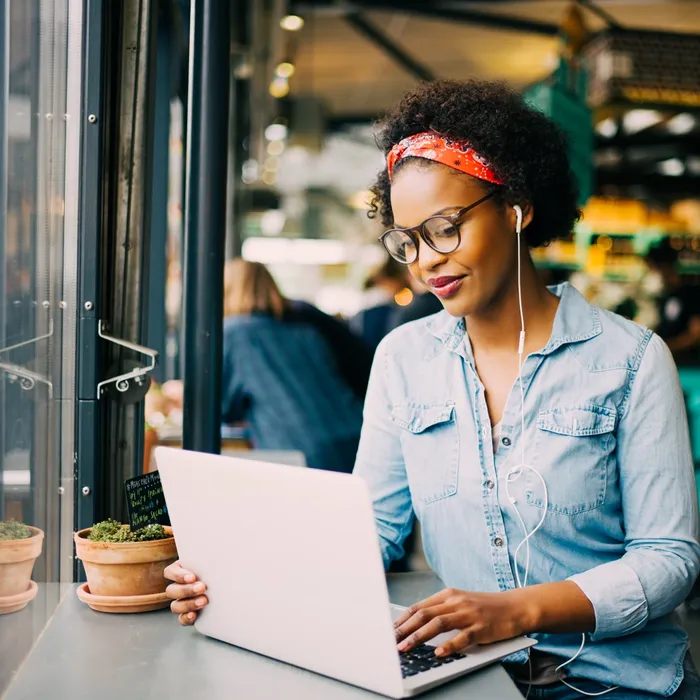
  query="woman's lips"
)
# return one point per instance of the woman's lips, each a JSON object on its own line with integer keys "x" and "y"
{"x": 445, "y": 286}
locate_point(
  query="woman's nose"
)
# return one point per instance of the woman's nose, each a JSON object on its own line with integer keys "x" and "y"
{"x": 429, "y": 259}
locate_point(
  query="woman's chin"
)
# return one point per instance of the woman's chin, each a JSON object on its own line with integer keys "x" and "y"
{"x": 459, "y": 306}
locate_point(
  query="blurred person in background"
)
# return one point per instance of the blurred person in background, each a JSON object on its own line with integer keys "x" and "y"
{"x": 678, "y": 305}
{"x": 381, "y": 288}
{"x": 353, "y": 356}
{"x": 281, "y": 377}
{"x": 424, "y": 303}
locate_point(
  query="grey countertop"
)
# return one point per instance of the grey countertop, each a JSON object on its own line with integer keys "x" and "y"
{"x": 84, "y": 655}
{"x": 20, "y": 631}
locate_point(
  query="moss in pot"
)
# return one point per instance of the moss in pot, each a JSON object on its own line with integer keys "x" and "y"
{"x": 20, "y": 546}
{"x": 12, "y": 530}
{"x": 120, "y": 562}
{"x": 113, "y": 531}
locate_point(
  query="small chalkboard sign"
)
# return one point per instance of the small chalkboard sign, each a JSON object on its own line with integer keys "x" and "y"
{"x": 145, "y": 501}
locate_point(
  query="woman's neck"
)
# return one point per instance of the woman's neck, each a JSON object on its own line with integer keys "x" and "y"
{"x": 498, "y": 326}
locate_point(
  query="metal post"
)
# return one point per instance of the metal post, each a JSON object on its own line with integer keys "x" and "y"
{"x": 4, "y": 104}
{"x": 156, "y": 327}
{"x": 130, "y": 203}
{"x": 88, "y": 453}
{"x": 239, "y": 123}
{"x": 205, "y": 222}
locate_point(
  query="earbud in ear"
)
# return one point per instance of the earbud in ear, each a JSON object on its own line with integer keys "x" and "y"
{"x": 519, "y": 221}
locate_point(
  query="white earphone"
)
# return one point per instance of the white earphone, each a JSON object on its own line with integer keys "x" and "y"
{"x": 519, "y": 222}
{"x": 514, "y": 473}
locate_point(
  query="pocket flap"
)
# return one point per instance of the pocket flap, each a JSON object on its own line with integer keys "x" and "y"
{"x": 418, "y": 419}
{"x": 578, "y": 421}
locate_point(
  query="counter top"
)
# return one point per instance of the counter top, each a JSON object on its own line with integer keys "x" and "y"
{"x": 84, "y": 655}
{"x": 19, "y": 631}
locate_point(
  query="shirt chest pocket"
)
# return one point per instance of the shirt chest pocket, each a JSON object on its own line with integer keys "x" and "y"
{"x": 430, "y": 446}
{"x": 573, "y": 450}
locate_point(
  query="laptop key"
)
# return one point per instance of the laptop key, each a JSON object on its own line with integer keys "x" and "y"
{"x": 423, "y": 659}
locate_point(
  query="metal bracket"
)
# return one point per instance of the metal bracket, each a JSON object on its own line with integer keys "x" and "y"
{"x": 26, "y": 377}
{"x": 121, "y": 381}
{"x": 30, "y": 342}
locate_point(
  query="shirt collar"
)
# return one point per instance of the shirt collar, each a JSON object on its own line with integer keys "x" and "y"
{"x": 575, "y": 321}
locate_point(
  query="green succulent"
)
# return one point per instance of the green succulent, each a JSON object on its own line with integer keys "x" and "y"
{"x": 12, "y": 530}
{"x": 113, "y": 531}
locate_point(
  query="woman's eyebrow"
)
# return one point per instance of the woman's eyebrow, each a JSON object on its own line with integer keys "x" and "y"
{"x": 444, "y": 210}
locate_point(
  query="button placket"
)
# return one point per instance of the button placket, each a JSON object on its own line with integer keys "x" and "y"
{"x": 491, "y": 507}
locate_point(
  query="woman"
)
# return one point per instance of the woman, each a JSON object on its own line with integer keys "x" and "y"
{"x": 604, "y": 497}
{"x": 280, "y": 376}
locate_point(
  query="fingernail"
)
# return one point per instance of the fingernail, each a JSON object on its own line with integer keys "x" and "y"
{"x": 199, "y": 588}
{"x": 190, "y": 578}
{"x": 403, "y": 646}
{"x": 439, "y": 652}
{"x": 190, "y": 616}
{"x": 200, "y": 602}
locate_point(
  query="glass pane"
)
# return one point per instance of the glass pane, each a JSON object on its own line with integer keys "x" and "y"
{"x": 39, "y": 158}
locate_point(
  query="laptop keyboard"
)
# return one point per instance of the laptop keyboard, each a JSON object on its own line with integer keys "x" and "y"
{"x": 423, "y": 658}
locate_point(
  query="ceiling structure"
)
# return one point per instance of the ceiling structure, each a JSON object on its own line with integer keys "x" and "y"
{"x": 513, "y": 41}
{"x": 359, "y": 57}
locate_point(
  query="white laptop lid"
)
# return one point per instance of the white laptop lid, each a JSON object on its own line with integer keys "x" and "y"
{"x": 291, "y": 560}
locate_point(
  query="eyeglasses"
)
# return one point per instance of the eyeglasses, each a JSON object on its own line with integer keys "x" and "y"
{"x": 440, "y": 232}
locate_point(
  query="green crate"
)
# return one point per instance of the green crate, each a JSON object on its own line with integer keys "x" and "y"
{"x": 563, "y": 99}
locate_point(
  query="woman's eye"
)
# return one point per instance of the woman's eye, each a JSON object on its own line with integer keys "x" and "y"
{"x": 443, "y": 229}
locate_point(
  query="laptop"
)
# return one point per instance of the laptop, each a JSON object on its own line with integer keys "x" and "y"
{"x": 294, "y": 572}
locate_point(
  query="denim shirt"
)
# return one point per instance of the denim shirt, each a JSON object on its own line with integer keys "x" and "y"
{"x": 605, "y": 426}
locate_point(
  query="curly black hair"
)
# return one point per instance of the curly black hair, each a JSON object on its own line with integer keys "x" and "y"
{"x": 526, "y": 149}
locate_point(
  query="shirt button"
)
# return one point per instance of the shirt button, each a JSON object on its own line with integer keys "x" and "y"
{"x": 498, "y": 541}
{"x": 506, "y": 442}
{"x": 489, "y": 484}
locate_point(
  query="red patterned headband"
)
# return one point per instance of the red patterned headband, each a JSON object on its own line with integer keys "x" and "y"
{"x": 455, "y": 154}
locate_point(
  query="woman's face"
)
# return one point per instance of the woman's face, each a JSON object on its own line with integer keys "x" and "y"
{"x": 471, "y": 278}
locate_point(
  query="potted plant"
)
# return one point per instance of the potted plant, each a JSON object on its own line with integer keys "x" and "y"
{"x": 124, "y": 568}
{"x": 20, "y": 545}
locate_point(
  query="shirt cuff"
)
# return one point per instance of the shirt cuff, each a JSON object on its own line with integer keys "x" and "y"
{"x": 618, "y": 599}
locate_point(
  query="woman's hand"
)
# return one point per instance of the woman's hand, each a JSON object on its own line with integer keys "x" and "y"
{"x": 481, "y": 618}
{"x": 186, "y": 593}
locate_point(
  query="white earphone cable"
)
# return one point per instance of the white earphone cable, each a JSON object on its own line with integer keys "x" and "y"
{"x": 514, "y": 473}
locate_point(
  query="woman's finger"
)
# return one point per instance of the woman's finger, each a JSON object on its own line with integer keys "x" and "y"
{"x": 458, "y": 643}
{"x": 421, "y": 618}
{"x": 187, "y": 619}
{"x": 176, "y": 573}
{"x": 409, "y": 612}
{"x": 177, "y": 591}
{"x": 180, "y": 607}
{"x": 438, "y": 625}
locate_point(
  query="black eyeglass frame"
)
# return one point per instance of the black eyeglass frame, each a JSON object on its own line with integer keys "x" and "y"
{"x": 419, "y": 231}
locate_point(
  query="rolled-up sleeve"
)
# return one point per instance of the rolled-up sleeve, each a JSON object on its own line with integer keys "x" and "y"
{"x": 659, "y": 501}
{"x": 380, "y": 463}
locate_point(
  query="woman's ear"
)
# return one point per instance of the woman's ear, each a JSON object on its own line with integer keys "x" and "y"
{"x": 522, "y": 215}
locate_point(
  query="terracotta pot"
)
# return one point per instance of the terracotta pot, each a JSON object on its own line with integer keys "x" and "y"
{"x": 17, "y": 559}
{"x": 125, "y": 568}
